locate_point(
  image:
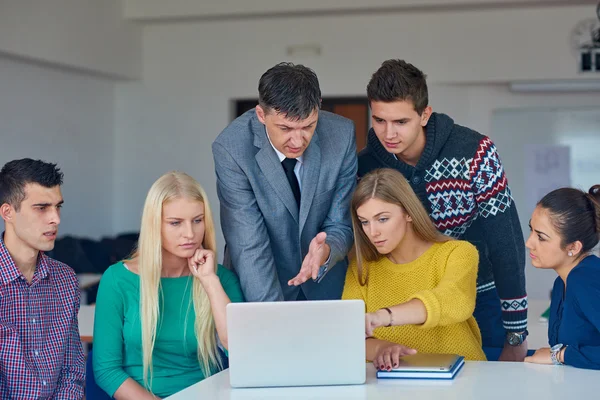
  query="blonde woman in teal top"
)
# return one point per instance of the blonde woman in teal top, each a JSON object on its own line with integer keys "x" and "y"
{"x": 161, "y": 314}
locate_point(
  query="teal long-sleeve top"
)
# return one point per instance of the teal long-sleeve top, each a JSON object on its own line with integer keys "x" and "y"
{"x": 118, "y": 331}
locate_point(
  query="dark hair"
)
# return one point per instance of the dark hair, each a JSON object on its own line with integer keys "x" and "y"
{"x": 18, "y": 173}
{"x": 575, "y": 214}
{"x": 290, "y": 89}
{"x": 397, "y": 80}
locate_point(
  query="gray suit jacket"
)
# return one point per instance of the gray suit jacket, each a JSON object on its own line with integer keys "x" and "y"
{"x": 267, "y": 237}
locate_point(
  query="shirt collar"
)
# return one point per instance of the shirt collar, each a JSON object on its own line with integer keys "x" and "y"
{"x": 9, "y": 271}
{"x": 280, "y": 155}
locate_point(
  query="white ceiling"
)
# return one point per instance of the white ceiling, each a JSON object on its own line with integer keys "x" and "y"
{"x": 156, "y": 10}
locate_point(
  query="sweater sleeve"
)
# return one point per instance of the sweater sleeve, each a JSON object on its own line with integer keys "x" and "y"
{"x": 502, "y": 233}
{"x": 453, "y": 299}
{"x": 586, "y": 291}
{"x": 108, "y": 335}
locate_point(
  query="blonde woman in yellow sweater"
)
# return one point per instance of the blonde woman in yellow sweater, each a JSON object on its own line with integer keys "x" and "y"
{"x": 419, "y": 286}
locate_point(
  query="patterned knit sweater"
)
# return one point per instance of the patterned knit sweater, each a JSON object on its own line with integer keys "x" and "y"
{"x": 461, "y": 182}
{"x": 443, "y": 278}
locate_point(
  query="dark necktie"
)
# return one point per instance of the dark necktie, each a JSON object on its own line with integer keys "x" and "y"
{"x": 288, "y": 167}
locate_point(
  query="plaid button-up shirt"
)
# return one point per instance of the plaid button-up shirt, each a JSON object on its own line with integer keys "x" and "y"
{"x": 41, "y": 356}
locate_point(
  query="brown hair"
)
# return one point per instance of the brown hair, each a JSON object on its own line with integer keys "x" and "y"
{"x": 390, "y": 186}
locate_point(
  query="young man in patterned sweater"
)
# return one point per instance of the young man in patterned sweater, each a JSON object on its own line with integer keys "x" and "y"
{"x": 457, "y": 174}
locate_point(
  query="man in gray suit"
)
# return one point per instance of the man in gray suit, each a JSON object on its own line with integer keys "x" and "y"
{"x": 285, "y": 175}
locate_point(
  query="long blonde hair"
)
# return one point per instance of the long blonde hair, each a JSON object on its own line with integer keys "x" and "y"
{"x": 149, "y": 252}
{"x": 388, "y": 185}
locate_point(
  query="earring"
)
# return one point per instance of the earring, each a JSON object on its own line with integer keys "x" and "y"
{"x": 570, "y": 254}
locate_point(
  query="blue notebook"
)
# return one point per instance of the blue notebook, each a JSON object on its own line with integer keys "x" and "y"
{"x": 425, "y": 366}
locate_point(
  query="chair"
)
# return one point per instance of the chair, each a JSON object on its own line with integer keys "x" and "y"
{"x": 92, "y": 390}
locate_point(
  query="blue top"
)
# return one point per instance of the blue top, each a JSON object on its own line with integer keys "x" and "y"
{"x": 575, "y": 315}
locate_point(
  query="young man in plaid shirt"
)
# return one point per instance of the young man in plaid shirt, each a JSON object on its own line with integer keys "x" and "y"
{"x": 41, "y": 356}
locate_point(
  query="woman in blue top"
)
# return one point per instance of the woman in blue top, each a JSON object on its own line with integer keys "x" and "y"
{"x": 565, "y": 227}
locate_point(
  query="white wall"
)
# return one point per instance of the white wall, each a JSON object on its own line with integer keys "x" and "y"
{"x": 83, "y": 34}
{"x": 192, "y": 71}
{"x": 519, "y": 131}
{"x": 59, "y": 60}
{"x": 67, "y": 118}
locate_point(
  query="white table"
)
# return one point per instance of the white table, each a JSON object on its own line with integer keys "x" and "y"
{"x": 477, "y": 380}
{"x": 86, "y": 323}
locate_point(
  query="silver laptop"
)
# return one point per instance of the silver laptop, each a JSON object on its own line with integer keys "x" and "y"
{"x": 296, "y": 343}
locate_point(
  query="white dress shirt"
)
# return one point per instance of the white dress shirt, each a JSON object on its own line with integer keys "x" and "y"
{"x": 297, "y": 168}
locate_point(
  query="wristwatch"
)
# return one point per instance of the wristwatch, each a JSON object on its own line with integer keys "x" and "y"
{"x": 554, "y": 352}
{"x": 515, "y": 338}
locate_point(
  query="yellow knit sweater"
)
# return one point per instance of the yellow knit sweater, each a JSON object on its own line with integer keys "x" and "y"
{"x": 444, "y": 279}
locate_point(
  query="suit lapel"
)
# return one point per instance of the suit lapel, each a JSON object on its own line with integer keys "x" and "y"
{"x": 271, "y": 168}
{"x": 310, "y": 177}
